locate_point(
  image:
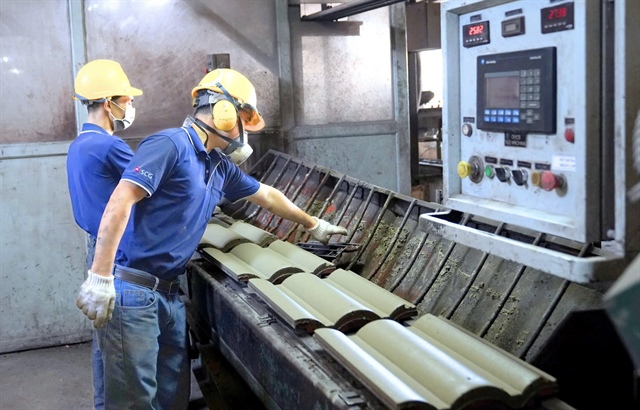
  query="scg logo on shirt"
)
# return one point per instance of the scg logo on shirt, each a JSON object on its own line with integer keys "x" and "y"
{"x": 143, "y": 172}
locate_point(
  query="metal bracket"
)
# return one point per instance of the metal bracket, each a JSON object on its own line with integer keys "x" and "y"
{"x": 348, "y": 9}
{"x": 330, "y": 251}
{"x": 351, "y": 398}
{"x": 596, "y": 265}
{"x": 266, "y": 320}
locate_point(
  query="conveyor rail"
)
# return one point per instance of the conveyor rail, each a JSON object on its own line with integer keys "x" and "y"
{"x": 512, "y": 306}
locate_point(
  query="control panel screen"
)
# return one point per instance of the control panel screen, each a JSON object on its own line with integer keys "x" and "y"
{"x": 516, "y": 92}
{"x": 502, "y": 90}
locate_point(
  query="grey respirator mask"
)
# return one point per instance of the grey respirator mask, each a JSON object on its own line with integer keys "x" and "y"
{"x": 238, "y": 149}
{"x": 225, "y": 112}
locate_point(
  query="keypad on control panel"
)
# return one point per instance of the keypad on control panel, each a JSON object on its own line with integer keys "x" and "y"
{"x": 530, "y": 95}
{"x": 504, "y": 115}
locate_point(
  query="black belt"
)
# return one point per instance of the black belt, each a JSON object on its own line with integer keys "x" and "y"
{"x": 148, "y": 281}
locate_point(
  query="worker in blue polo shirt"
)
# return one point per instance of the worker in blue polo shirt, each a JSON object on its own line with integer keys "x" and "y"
{"x": 96, "y": 160}
{"x": 175, "y": 179}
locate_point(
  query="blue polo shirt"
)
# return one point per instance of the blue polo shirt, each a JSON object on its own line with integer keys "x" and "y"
{"x": 184, "y": 184}
{"x": 95, "y": 162}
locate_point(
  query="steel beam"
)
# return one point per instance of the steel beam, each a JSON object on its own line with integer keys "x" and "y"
{"x": 348, "y": 9}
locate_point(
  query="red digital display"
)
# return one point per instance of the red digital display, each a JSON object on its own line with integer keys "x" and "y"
{"x": 557, "y": 18}
{"x": 476, "y": 30}
{"x": 475, "y": 34}
{"x": 557, "y": 13}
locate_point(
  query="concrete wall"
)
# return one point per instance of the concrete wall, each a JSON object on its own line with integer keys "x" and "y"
{"x": 162, "y": 46}
{"x": 350, "y": 101}
{"x": 323, "y": 95}
{"x": 42, "y": 250}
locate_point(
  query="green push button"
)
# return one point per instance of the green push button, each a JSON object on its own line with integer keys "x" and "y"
{"x": 488, "y": 171}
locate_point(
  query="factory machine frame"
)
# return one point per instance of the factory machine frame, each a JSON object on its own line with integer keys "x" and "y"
{"x": 483, "y": 259}
{"x": 539, "y": 109}
{"x": 517, "y": 308}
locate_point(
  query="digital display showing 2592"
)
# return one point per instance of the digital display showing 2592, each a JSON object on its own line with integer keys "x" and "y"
{"x": 475, "y": 30}
{"x": 475, "y": 34}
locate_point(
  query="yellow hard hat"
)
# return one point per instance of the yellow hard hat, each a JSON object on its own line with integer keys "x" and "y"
{"x": 227, "y": 81}
{"x": 99, "y": 79}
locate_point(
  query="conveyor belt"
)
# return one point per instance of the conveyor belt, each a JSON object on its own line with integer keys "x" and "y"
{"x": 508, "y": 304}
{"x": 412, "y": 369}
{"x": 286, "y": 369}
{"x": 512, "y": 307}
{"x": 430, "y": 364}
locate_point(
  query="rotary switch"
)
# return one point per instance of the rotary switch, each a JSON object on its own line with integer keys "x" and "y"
{"x": 519, "y": 176}
{"x": 502, "y": 173}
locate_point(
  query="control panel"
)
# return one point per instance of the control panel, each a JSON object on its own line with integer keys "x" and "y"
{"x": 517, "y": 91}
{"x": 522, "y": 113}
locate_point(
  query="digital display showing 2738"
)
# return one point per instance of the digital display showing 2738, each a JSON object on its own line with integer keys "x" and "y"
{"x": 475, "y": 34}
{"x": 557, "y": 18}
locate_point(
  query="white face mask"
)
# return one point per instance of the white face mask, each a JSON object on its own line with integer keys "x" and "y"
{"x": 124, "y": 123}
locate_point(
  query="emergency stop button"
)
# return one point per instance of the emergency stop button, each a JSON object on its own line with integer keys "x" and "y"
{"x": 550, "y": 181}
{"x": 569, "y": 135}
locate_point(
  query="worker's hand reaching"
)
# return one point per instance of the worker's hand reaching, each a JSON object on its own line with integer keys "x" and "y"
{"x": 323, "y": 230}
{"x": 97, "y": 298}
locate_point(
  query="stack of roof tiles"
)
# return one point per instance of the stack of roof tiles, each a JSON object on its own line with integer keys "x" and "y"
{"x": 427, "y": 363}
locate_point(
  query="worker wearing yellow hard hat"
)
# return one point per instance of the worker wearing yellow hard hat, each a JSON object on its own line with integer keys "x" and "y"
{"x": 97, "y": 158}
{"x": 98, "y": 82}
{"x": 232, "y": 100}
{"x": 175, "y": 180}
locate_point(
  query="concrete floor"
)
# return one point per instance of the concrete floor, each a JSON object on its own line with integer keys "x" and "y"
{"x": 57, "y": 378}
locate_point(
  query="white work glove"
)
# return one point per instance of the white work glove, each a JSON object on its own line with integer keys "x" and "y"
{"x": 97, "y": 298}
{"x": 323, "y": 230}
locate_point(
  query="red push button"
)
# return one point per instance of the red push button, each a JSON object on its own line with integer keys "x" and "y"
{"x": 569, "y": 135}
{"x": 550, "y": 181}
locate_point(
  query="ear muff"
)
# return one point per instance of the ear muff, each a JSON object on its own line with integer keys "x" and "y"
{"x": 225, "y": 116}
